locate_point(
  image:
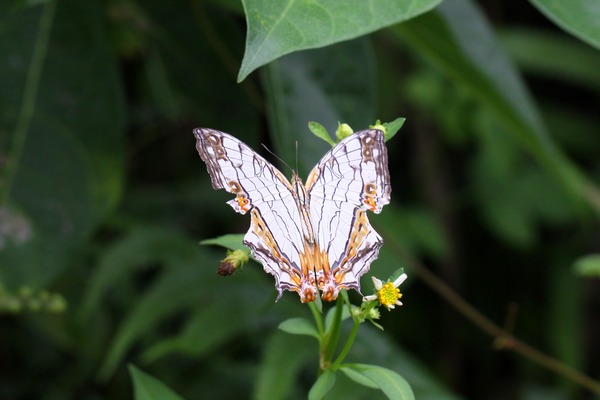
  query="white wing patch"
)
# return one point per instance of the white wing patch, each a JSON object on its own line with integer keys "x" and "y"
{"x": 312, "y": 236}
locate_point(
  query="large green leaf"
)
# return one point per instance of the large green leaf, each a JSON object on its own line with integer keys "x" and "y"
{"x": 579, "y": 17}
{"x": 62, "y": 128}
{"x": 276, "y": 28}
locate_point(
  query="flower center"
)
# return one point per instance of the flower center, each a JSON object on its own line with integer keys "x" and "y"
{"x": 388, "y": 294}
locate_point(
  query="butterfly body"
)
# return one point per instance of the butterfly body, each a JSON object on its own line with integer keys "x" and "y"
{"x": 312, "y": 236}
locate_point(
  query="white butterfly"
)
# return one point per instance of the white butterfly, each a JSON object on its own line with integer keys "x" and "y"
{"x": 308, "y": 236}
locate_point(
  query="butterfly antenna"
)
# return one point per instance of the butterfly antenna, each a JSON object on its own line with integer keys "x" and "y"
{"x": 297, "y": 156}
{"x": 277, "y": 157}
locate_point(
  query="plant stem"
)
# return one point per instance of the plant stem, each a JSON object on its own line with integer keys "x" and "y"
{"x": 338, "y": 361}
{"x": 333, "y": 335}
{"x": 318, "y": 318}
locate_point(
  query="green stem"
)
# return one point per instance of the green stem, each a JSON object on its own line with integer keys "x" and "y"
{"x": 338, "y": 361}
{"x": 333, "y": 335}
{"x": 318, "y": 318}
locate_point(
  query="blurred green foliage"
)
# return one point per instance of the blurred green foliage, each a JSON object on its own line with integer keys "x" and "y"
{"x": 104, "y": 199}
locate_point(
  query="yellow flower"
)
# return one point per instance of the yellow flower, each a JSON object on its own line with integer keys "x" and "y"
{"x": 387, "y": 293}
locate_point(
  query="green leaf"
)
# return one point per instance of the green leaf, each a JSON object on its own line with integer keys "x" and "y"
{"x": 62, "y": 135}
{"x": 389, "y": 382}
{"x": 320, "y": 132}
{"x": 230, "y": 241}
{"x": 276, "y": 28}
{"x": 147, "y": 387}
{"x": 322, "y": 386}
{"x": 588, "y": 265}
{"x": 578, "y": 17}
{"x": 299, "y": 326}
{"x": 391, "y": 128}
{"x": 359, "y": 377}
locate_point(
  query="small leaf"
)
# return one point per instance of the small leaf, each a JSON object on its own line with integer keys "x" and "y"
{"x": 588, "y": 265}
{"x": 147, "y": 387}
{"x": 391, "y": 128}
{"x": 320, "y": 132}
{"x": 389, "y": 382}
{"x": 299, "y": 326}
{"x": 231, "y": 241}
{"x": 322, "y": 386}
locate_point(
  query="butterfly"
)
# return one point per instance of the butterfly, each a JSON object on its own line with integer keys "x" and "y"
{"x": 314, "y": 236}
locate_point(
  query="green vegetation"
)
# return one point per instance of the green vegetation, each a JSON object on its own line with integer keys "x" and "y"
{"x": 106, "y": 292}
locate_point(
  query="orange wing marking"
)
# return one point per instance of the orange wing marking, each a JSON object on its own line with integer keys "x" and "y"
{"x": 241, "y": 196}
{"x": 370, "y": 191}
{"x": 333, "y": 280}
{"x": 302, "y": 282}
